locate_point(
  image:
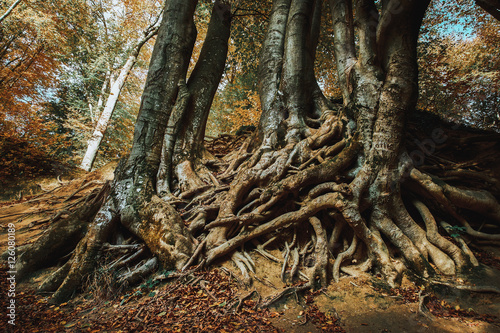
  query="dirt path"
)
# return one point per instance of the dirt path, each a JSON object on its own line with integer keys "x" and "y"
{"x": 33, "y": 214}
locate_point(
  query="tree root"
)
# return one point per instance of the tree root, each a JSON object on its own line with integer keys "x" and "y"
{"x": 343, "y": 256}
{"x": 345, "y": 206}
{"x": 244, "y": 298}
{"x": 422, "y": 309}
{"x": 203, "y": 284}
{"x": 319, "y": 271}
{"x": 476, "y": 289}
{"x": 447, "y": 195}
{"x": 286, "y": 292}
{"x": 245, "y": 264}
{"x": 139, "y": 273}
{"x": 51, "y": 283}
{"x": 127, "y": 260}
{"x": 323, "y": 202}
{"x": 85, "y": 256}
{"x": 433, "y": 235}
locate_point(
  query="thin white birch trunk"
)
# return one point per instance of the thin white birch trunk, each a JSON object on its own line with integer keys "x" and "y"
{"x": 114, "y": 94}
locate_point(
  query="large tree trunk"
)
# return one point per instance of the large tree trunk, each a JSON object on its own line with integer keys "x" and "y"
{"x": 132, "y": 200}
{"x": 349, "y": 171}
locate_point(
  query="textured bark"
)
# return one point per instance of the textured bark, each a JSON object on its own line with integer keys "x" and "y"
{"x": 270, "y": 68}
{"x": 297, "y": 64}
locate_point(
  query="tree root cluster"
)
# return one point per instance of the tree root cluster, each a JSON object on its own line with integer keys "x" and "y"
{"x": 316, "y": 200}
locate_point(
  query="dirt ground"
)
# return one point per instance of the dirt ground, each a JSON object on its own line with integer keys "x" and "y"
{"x": 210, "y": 300}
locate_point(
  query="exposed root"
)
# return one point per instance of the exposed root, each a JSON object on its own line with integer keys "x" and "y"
{"x": 85, "y": 257}
{"x": 319, "y": 271}
{"x": 127, "y": 260}
{"x": 259, "y": 248}
{"x": 476, "y": 289}
{"x": 296, "y": 261}
{"x": 358, "y": 270}
{"x": 244, "y": 265}
{"x": 418, "y": 236}
{"x": 203, "y": 285}
{"x": 285, "y": 261}
{"x": 422, "y": 309}
{"x": 51, "y": 283}
{"x": 337, "y": 197}
{"x": 446, "y": 195}
{"x": 461, "y": 261}
{"x": 244, "y": 298}
{"x": 195, "y": 255}
{"x": 343, "y": 256}
{"x": 286, "y": 292}
{"x": 54, "y": 241}
{"x": 463, "y": 245}
{"x": 323, "y": 202}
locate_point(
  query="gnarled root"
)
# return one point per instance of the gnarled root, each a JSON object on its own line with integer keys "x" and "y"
{"x": 84, "y": 259}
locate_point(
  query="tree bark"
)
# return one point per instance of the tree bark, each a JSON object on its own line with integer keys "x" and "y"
{"x": 298, "y": 65}
{"x": 269, "y": 75}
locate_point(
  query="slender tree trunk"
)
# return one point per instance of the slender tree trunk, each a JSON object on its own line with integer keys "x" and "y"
{"x": 183, "y": 148}
{"x": 100, "y": 101}
{"x": 114, "y": 95}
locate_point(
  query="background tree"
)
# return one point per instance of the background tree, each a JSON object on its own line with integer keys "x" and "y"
{"x": 9, "y": 10}
{"x": 315, "y": 175}
{"x": 58, "y": 61}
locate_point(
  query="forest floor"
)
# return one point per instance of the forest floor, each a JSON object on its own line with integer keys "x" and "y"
{"x": 216, "y": 300}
